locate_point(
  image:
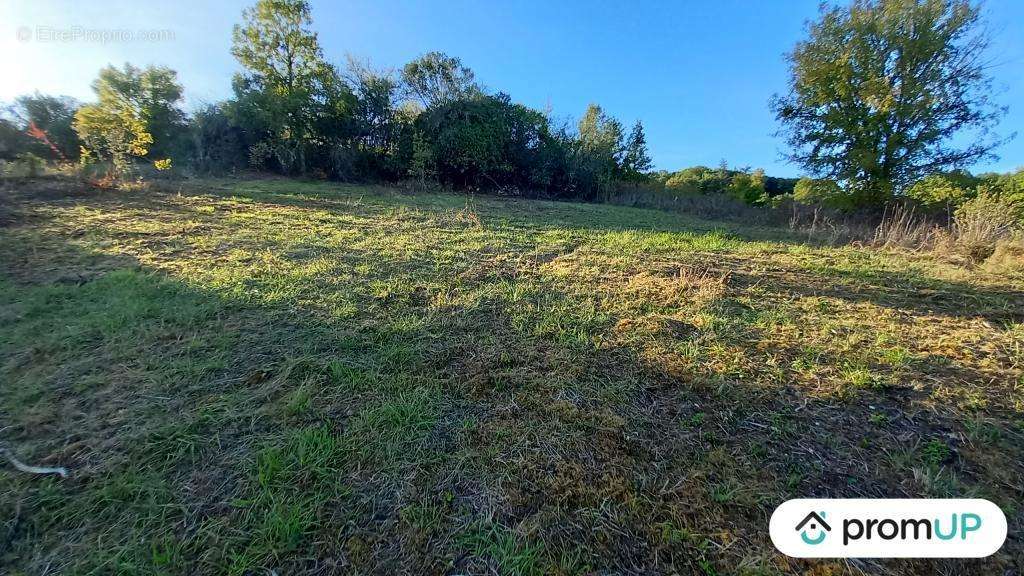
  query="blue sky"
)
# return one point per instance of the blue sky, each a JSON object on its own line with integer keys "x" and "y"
{"x": 697, "y": 74}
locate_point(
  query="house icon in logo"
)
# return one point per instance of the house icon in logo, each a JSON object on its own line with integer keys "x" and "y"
{"x": 817, "y": 524}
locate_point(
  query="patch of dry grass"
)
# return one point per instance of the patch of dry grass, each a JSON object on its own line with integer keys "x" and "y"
{"x": 267, "y": 375}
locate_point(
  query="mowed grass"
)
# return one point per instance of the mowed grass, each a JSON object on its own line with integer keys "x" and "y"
{"x": 271, "y": 376}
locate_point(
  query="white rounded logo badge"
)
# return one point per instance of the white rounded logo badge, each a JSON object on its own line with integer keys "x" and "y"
{"x": 888, "y": 528}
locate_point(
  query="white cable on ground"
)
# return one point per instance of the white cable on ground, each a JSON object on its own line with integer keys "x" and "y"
{"x": 33, "y": 469}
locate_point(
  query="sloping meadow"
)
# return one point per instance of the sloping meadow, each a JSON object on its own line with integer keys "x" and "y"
{"x": 244, "y": 376}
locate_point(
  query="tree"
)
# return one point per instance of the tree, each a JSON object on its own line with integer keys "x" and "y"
{"x": 436, "y": 78}
{"x": 879, "y": 89}
{"x": 114, "y": 133}
{"x": 216, "y": 140}
{"x": 943, "y": 190}
{"x": 599, "y": 151}
{"x": 49, "y": 119}
{"x": 816, "y": 191}
{"x": 13, "y": 140}
{"x": 377, "y": 95}
{"x": 636, "y": 161}
{"x": 287, "y": 87}
{"x": 748, "y": 186}
{"x": 776, "y": 186}
{"x": 700, "y": 180}
{"x": 153, "y": 93}
{"x": 132, "y": 104}
{"x": 486, "y": 141}
{"x": 421, "y": 167}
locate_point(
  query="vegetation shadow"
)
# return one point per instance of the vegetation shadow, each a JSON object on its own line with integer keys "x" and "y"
{"x": 384, "y": 424}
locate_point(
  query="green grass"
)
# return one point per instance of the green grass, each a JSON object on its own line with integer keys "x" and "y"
{"x": 302, "y": 377}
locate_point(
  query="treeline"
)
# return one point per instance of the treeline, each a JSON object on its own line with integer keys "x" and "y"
{"x": 292, "y": 112}
{"x": 750, "y": 186}
{"x": 295, "y": 113}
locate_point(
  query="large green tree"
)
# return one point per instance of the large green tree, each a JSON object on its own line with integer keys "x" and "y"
{"x": 376, "y": 106}
{"x": 635, "y": 160}
{"x": 136, "y": 112}
{"x": 49, "y": 121}
{"x": 154, "y": 93}
{"x": 880, "y": 88}
{"x": 436, "y": 79}
{"x": 598, "y": 152}
{"x": 287, "y": 89}
{"x": 486, "y": 141}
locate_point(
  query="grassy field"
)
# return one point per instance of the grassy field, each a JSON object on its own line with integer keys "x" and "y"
{"x": 269, "y": 376}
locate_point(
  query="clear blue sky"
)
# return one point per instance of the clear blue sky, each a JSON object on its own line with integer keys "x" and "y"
{"x": 698, "y": 74}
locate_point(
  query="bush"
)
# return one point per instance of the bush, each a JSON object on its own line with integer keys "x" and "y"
{"x": 1008, "y": 255}
{"x": 943, "y": 190}
{"x": 980, "y": 223}
{"x": 823, "y": 192}
{"x": 25, "y": 165}
{"x": 1008, "y": 188}
{"x": 653, "y": 195}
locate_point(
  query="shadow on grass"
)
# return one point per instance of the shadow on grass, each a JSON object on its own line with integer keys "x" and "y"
{"x": 210, "y": 432}
{"x": 903, "y": 289}
{"x": 520, "y": 214}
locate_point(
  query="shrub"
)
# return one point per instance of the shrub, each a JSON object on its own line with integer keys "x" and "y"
{"x": 25, "y": 165}
{"x": 979, "y": 223}
{"x": 943, "y": 190}
{"x": 1008, "y": 188}
{"x": 710, "y": 206}
{"x": 1008, "y": 255}
{"x": 421, "y": 167}
{"x": 822, "y": 191}
{"x": 781, "y": 200}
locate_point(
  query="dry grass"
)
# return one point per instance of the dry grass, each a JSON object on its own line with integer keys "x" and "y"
{"x": 973, "y": 233}
{"x": 981, "y": 223}
{"x": 900, "y": 227}
{"x": 709, "y": 206}
{"x": 1007, "y": 256}
{"x": 261, "y": 376}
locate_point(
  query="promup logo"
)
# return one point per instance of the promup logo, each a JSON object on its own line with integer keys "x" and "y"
{"x": 817, "y": 524}
{"x": 897, "y": 528}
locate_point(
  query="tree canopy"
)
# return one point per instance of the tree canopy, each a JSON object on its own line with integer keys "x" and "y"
{"x": 287, "y": 87}
{"x": 133, "y": 104}
{"x": 879, "y": 89}
{"x": 436, "y": 78}
{"x": 879, "y": 92}
{"x": 49, "y": 120}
